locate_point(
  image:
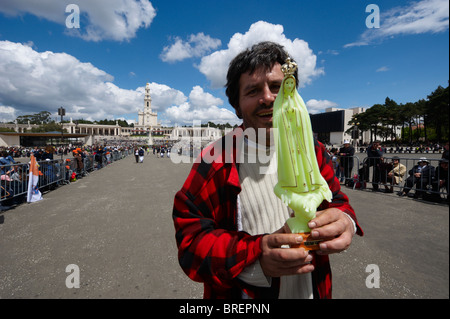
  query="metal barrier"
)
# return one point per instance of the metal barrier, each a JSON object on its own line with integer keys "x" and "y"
{"x": 52, "y": 173}
{"x": 380, "y": 173}
{"x": 346, "y": 168}
{"x": 14, "y": 179}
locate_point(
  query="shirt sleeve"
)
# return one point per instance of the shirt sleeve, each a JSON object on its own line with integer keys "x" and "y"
{"x": 210, "y": 250}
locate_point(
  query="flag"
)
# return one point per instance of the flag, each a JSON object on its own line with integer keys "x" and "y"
{"x": 34, "y": 194}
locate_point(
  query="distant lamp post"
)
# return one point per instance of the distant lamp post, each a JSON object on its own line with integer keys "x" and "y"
{"x": 76, "y": 128}
{"x": 62, "y": 112}
{"x": 355, "y": 132}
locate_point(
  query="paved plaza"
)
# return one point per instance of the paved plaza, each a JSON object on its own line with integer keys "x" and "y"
{"x": 115, "y": 225}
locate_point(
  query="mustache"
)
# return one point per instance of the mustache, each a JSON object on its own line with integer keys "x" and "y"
{"x": 263, "y": 107}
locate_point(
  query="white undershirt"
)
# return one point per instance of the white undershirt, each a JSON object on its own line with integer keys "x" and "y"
{"x": 262, "y": 212}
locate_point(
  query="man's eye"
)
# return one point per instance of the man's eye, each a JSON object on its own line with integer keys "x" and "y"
{"x": 275, "y": 88}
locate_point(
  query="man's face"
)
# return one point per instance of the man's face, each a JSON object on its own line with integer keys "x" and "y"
{"x": 257, "y": 92}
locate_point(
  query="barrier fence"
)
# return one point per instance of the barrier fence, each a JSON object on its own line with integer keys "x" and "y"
{"x": 355, "y": 173}
{"x": 381, "y": 173}
{"x": 52, "y": 173}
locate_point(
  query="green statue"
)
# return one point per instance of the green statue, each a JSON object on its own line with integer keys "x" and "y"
{"x": 300, "y": 184}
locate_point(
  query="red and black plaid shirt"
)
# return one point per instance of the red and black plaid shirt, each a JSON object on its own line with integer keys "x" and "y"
{"x": 210, "y": 249}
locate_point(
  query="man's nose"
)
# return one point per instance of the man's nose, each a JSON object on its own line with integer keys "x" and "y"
{"x": 268, "y": 97}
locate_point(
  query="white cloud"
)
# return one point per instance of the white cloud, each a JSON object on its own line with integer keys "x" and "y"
{"x": 202, "y": 106}
{"x": 383, "y": 69}
{"x": 201, "y": 99}
{"x": 198, "y": 45}
{"x": 116, "y": 20}
{"x": 330, "y": 52}
{"x": 31, "y": 82}
{"x": 215, "y": 65}
{"x": 7, "y": 114}
{"x": 185, "y": 114}
{"x": 426, "y": 16}
{"x": 164, "y": 96}
{"x": 316, "y": 106}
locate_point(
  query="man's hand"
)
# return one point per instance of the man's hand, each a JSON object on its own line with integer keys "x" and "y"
{"x": 335, "y": 228}
{"x": 331, "y": 225}
{"x": 276, "y": 261}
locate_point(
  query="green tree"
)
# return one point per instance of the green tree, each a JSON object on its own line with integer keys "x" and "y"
{"x": 392, "y": 118}
{"x": 437, "y": 112}
{"x": 42, "y": 117}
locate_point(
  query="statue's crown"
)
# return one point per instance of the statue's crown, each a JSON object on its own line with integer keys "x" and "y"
{"x": 289, "y": 67}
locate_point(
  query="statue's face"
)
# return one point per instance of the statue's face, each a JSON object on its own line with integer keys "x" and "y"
{"x": 289, "y": 85}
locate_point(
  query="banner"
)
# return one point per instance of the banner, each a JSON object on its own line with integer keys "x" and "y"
{"x": 34, "y": 194}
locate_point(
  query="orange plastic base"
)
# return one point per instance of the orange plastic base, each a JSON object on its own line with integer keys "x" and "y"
{"x": 308, "y": 243}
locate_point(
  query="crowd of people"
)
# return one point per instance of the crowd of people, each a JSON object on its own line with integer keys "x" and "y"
{"x": 423, "y": 176}
{"x": 428, "y": 180}
{"x": 77, "y": 161}
{"x": 431, "y": 148}
{"x": 160, "y": 151}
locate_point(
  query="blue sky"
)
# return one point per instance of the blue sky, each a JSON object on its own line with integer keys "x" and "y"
{"x": 182, "y": 48}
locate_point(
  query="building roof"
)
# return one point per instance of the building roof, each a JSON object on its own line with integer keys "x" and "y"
{"x": 44, "y": 134}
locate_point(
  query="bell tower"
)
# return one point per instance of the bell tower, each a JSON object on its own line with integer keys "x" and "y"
{"x": 147, "y": 100}
{"x": 147, "y": 118}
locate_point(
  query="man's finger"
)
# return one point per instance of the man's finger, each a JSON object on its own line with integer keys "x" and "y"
{"x": 324, "y": 217}
{"x": 335, "y": 245}
{"x": 277, "y": 240}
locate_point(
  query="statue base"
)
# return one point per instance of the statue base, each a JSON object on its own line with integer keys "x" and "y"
{"x": 308, "y": 243}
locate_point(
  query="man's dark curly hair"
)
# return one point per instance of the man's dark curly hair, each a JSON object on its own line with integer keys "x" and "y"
{"x": 264, "y": 54}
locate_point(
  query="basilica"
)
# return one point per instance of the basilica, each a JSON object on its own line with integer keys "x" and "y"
{"x": 147, "y": 120}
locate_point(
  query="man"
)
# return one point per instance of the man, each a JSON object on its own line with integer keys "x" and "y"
{"x": 421, "y": 175}
{"x": 141, "y": 155}
{"x": 445, "y": 153}
{"x": 395, "y": 175}
{"x": 440, "y": 181}
{"x": 346, "y": 154}
{"x": 374, "y": 158}
{"x": 230, "y": 224}
{"x": 99, "y": 157}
